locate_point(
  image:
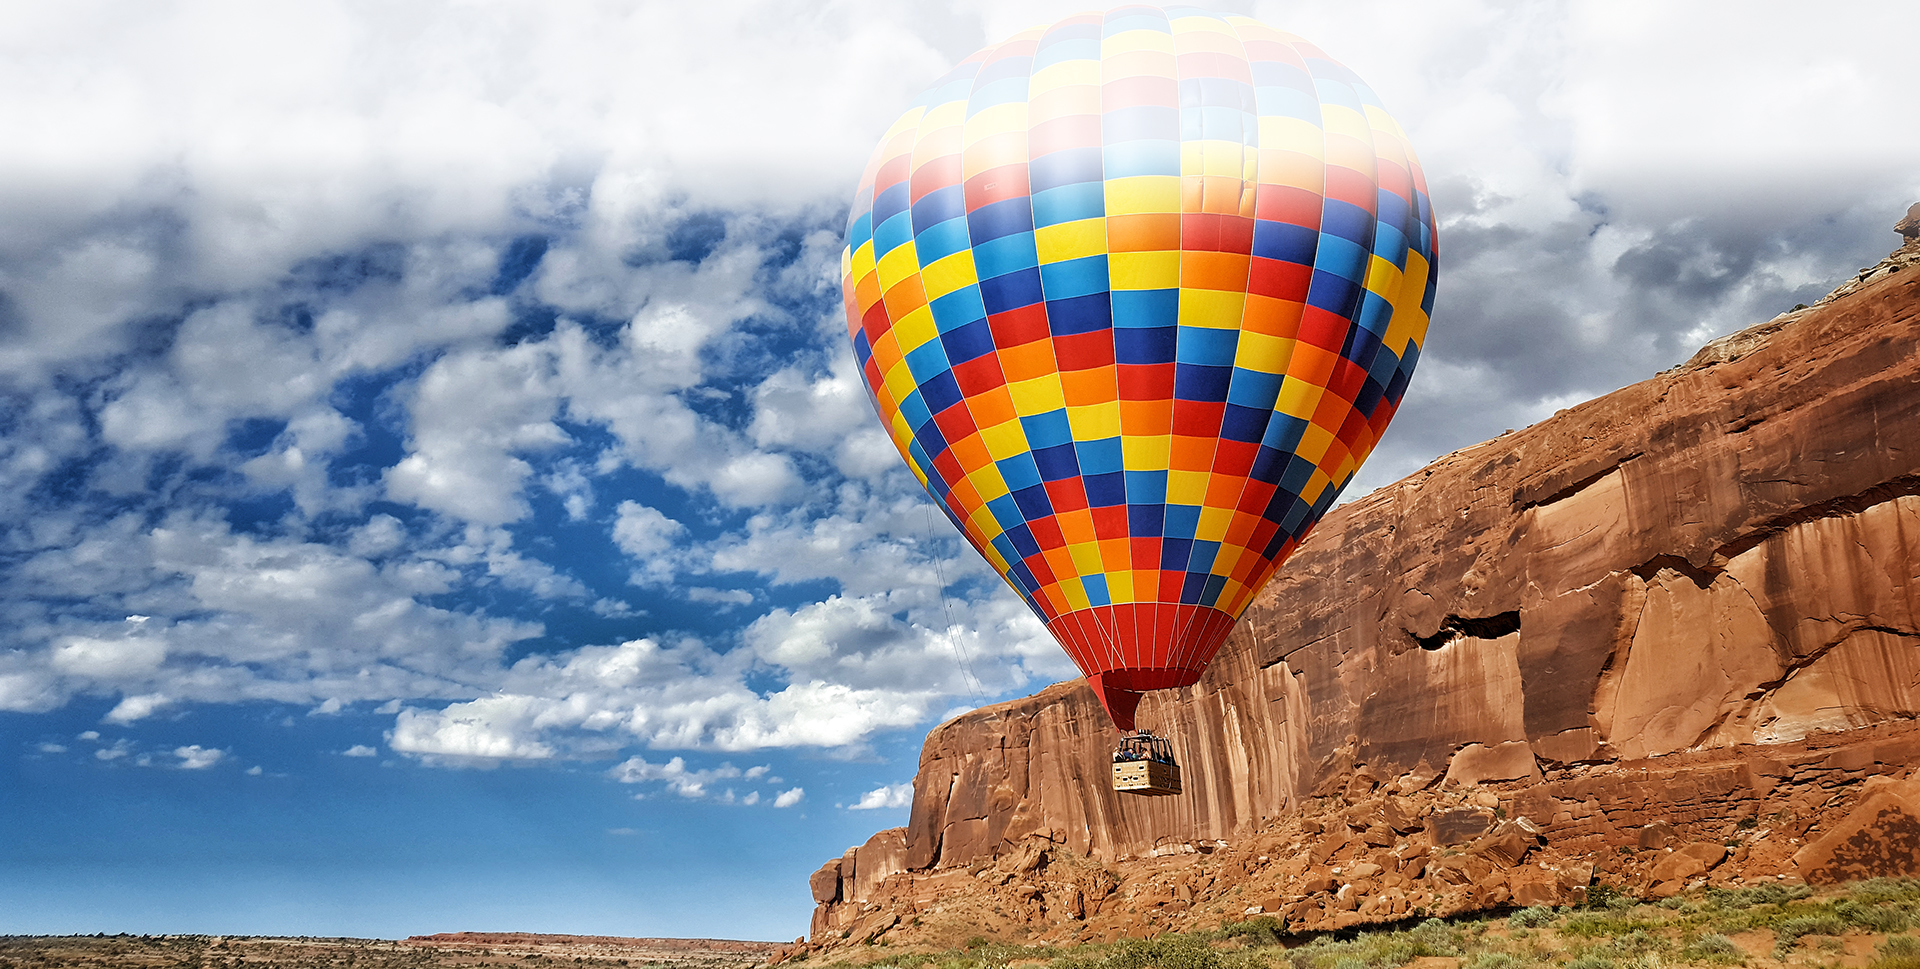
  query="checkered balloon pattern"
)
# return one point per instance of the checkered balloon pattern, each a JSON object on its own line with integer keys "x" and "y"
{"x": 1135, "y": 294}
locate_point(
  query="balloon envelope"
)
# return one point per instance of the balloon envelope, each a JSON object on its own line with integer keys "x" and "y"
{"x": 1135, "y": 294}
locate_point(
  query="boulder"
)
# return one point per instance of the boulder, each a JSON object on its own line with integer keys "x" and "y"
{"x": 1478, "y": 763}
{"x": 1684, "y": 863}
{"x": 826, "y": 882}
{"x": 1507, "y": 843}
{"x": 1655, "y": 835}
{"x": 1458, "y": 826}
{"x": 1879, "y": 838}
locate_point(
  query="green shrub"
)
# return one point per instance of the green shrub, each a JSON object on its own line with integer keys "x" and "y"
{"x": 1873, "y": 918}
{"x": 1590, "y": 960}
{"x": 1165, "y": 952}
{"x": 1493, "y": 960}
{"x": 1897, "y": 952}
{"x": 1637, "y": 942}
{"x": 1799, "y": 925}
{"x": 1714, "y": 948}
{"x": 1531, "y": 917}
{"x": 1259, "y": 930}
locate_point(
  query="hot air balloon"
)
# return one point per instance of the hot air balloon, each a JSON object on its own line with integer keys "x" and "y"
{"x": 1135, "y": 293}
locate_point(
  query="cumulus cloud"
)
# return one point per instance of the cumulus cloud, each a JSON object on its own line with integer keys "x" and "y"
{"x": 789, "y": 798}
{"x": 196, "y": 757}
{"x": 359, "y": 750}
{"x": 889, "y": 796}
{"x": 676, "y": 776}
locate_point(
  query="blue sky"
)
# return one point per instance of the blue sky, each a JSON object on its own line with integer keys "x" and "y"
{"x": 434, "y": 489}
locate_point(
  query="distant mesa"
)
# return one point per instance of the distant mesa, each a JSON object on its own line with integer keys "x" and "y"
{"x": 1664, "y": 639}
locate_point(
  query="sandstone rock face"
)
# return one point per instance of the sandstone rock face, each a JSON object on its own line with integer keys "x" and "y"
{"x": 1719, "y": 560}
{"x": 1880, "y": 838}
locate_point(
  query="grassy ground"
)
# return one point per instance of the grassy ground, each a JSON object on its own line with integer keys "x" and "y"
{"x": 1860, "y": 926}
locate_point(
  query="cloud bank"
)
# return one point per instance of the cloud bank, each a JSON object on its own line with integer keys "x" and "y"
{"x": 488, "y": 370}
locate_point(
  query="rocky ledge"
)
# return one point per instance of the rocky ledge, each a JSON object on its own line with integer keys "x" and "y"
{"x": 1667, "y": 634}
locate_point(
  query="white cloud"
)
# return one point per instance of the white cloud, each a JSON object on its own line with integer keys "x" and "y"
{"x": 473, "y": 412}
{"x": 49, "y": 748}
{"x": 675, "y": 775}
{"x": 889, "y": 796}
{"x": 789, "y": 798}
{"x": 196, "y": 757}
{"x": 487, "y": 729}
{"x": 139, "y": 707}
{"x": 719, "y": 597}
{"x": 359, "y": 750}
{"x": 649, "y": 536}
{"x": 29, "y": 692}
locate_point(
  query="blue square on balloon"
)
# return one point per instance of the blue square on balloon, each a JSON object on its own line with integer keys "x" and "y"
{"x": 1208, "y": 346}
{"x": 1096, "y": 586}
{"x": 1146, "y": 308}
{"x": 1027, "y": 582}
{"x": 1106, "y": 490}
{"x": 1085, "y": 276}
{"x": 1011, "y": 291}
{"x": 1067, "y": 186}
{"x": 1033, "y": 502}
{"x": 941, "y": 392}
{"x": 927, "y": 359}
{"x": 890, "y": 204}
{"x": 958, "y": 308}
{"x": 936, "y": 242}
{"x": 1334, "y": 293}
{"x": 1006, "y": 512}
{"x": 1299, "y": 472}
{"x": 1174, "y": 552}
{"x": 1191, "y": 382}
{"x": 1078, "y": 314}
{"x": 1003, "y": 218}
{"x": 1056, "y": 463}
{"x": 1211, "y": 594}
{"x": 1285, "y": 241}
{"x": 968, "y": 342}
{"x": 1192, "y": 586}
{"x": 1023, "y": 541}
{"x": 1145, "y": 487}
{"x": 1004, "y": 545}
{"x": 1145, "y": 521}
{"x": 1398, "y": 388}
{"x": 1348, "y": 221}
{"x": 928, "y": 436}
{"x": 1369, "y": 397}
{"x": 1018, "y": 471}
{"x": 1133, "y": 345}
{"x": 1269, "y": 464}
{"x": 1100, "y": 456}
{"x": 914, "y": 408}
{"x": 1244, "y": 423}
{"x": 1050, "y": 429}
{"x": 1203, "y": 555}
{"x": 1284, "y": 432}
{"x": 1296, "y": 517}
{"x": 1182, "y": 521}
{"x": 940, "y": 205}
{"x": 1251, "y": 388}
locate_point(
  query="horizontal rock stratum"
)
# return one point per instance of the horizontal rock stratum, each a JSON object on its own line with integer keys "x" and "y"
{"x": 1650, "y": 612}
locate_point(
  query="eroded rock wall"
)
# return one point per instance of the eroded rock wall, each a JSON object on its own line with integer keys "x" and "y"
{"x": 1726, "y": 554}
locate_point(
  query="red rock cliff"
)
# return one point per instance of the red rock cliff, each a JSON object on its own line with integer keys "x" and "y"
{"x": 1725, "y": 555}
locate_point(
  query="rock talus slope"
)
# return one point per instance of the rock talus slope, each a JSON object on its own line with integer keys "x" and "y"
{"x": 1708, "y": 578}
